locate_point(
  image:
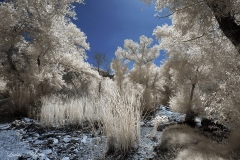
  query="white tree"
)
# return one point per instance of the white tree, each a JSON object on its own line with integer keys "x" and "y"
{"x": 39, "y": 44}
{"x": 198, "y": 69}
{"x": 120, "y": 71}
{"x": 206, "y": 15}
{"x": 144, "y": 72}
{"x": 141, "y": 53}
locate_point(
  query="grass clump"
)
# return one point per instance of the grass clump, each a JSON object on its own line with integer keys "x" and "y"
{"x": 118, "y": 112}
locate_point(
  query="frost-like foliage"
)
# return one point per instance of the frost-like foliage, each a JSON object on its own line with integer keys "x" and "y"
{"x": 180, "y": 101}
{"x": 202, "y": 62}
{"x": 202, "y": 72}
{"x": 166, "y": 83}
{"x": 148, "y": 76}
{"x": 39, "y": 44}
{"x": 205, "y": 15}
{"x": 119, "y": 71}
{"x": 141, "y": 53}
{"x": 144, "y": 72}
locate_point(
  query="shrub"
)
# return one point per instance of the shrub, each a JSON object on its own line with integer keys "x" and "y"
{"x": 184, "y": 142}
{"x": 23, "y": 101}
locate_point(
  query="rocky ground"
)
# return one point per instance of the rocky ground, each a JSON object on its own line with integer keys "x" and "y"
{"x": 26, "y": 139}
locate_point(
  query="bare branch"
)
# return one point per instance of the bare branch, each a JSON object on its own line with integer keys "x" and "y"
{"x": 198, "y": 37}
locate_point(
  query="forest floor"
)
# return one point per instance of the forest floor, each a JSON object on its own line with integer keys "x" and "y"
{"x": 26, "y": 139}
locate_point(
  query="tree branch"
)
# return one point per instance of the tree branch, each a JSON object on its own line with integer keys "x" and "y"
{"x": 165, "y": 16}
{"x": 198, "y": 37}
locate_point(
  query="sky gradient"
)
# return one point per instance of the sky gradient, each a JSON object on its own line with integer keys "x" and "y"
{"x": 107, "y": 23}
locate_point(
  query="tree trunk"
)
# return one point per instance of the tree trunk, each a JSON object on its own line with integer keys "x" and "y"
{"x": 190, "y": 115}
{"x": 191, "y": 95}
{"x": 227, "y": 24}
{"x": 190, "y": 118}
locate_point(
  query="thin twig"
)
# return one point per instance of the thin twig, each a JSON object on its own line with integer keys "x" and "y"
{"x": 198, "y": 37}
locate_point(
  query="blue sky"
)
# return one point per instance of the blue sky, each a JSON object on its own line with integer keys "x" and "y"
{"x": 107, "y": 23}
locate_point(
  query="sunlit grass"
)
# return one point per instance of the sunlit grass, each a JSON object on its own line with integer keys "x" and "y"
{"x": 118, "y": 112}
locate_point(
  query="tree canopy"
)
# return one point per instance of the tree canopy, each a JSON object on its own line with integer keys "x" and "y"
{"x": 203, "y": 17}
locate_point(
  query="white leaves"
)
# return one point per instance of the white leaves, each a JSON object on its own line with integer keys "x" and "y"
{"x": 163, "y": 31}
{"x": 188, "y": 14}
{"x": 54, "y": 45}
{"x": 139, "y": 53}
{"x": 200, "y": 55}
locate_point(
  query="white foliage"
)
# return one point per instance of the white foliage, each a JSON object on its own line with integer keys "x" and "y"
{"x": 200, "y": 55}
{"x": 138, "y": 53}
{"x": 119, "y": 71}
{"x": 40, "y": 43}
{"x": 189, "y": 13}
{"x": 144, "y": 72}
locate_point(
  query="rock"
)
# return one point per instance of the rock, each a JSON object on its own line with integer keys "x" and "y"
{"x": 167, "y": 108}
{"x": 182, "y": 117}
{"x": 27, "y": 120}
{"x": 84, "y": 140}
{"x": 15, "y": 123}
{"x": 75, "y": 151}
{"x": 18, "y": 124}
{"x": 36, "y": 135}
{"x": 48, "y": 135}
{"x": 66, "y": 158}
{"x": 37, "y": 142}
{"x": 29, "y": 139}
{"x": 43, "y": 157}
{"x": 21, "y": 131}
{"x": 52, "y": 157}
{"x": 95, "y": 140}
{"x": 5, "y": 127}
{"x": 142, "y": 123}
{"x": 32, "y": 127}
{"x": 74, "y": 157}
{"x": 75, "y": 140}
{"x": 69, "y": 145}
{"x": 163, "y": 108}
{"x": 48, "y": 151}
{"x": 149, "y": 124}
{"x": 24, "y": 156}
{"x": 67, "y": 139}
{"x": 52, "y": 141}
{"x": 96, "y": 147}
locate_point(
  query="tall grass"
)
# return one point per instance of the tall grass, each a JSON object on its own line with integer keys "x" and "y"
{"x": 118, "y": 112}
{"x": 121, "y": 119}
{"x": 60, "y": 111}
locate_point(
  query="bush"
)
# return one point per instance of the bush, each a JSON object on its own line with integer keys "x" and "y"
{"x": 23, "y": 101}
{"x": 183, "y": 142}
